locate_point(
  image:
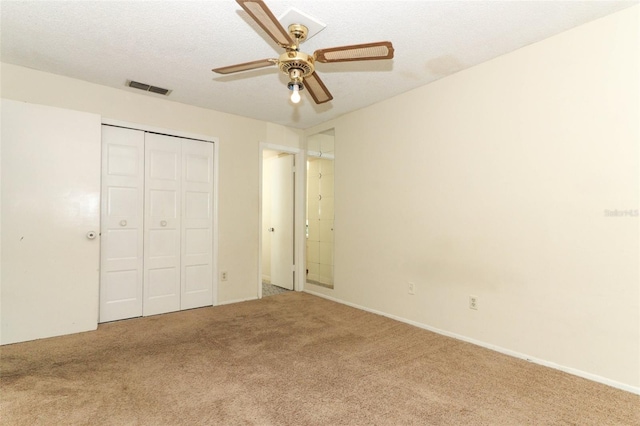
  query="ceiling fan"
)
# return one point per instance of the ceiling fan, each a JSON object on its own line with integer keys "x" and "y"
{"x": 297, "y": 65}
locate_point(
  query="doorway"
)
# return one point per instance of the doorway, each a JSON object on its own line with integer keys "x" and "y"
{"x": 279, "y": 222}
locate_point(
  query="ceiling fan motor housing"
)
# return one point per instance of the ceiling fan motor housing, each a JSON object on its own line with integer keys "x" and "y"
{"x": 292, "y": 59}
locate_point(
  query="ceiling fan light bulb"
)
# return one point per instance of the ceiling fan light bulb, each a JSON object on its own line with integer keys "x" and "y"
{"x": 295, "y": 95}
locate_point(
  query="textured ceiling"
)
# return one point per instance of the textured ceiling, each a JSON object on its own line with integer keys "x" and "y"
{"x": 176, "y": 44}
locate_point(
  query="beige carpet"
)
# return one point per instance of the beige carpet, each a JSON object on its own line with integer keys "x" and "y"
{"x": 291, "y": 359}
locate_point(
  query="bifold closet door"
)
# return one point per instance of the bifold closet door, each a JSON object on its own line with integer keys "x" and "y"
{"x": 122, "y": 193}
{"x": 197, "y": 225}
{"x": 157, "y": 224}
{"x": 178, "y": 224}
{"x": 162, "y": 226}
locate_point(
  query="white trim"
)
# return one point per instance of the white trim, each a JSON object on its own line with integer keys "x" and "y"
{"x": 230, "y": 302}
{"x": 570, "y": 370}
{"x": 300, "y": 220}
{"x": 216, "y": 231}
{"x": 260, "y": 161}
{"x": 154, "y": 129}
{"x": 299, "y": 238}
{"x": 216, "y": 168}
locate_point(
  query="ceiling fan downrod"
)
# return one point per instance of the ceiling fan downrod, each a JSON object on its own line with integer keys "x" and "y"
{"x": 299, "y": 34}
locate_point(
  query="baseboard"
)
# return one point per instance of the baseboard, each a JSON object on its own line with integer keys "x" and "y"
{"x": 229, "y": 302}
{"x": 569, "y": 370}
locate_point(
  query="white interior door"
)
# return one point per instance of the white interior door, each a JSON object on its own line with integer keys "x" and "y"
{"x": 50, "y": 203}
{"x": 121, "y": 254}
{"x": 162, "y": 224}
{"x": 197, "y": 224}
{"x": 282, "y": 211}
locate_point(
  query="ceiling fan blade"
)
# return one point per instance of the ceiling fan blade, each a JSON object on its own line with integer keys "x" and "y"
{"x": 317, "y": 89}
{"x": 265, "y": 18}
{"x": 356, "y": 52}
{"x": 246, "y": 66}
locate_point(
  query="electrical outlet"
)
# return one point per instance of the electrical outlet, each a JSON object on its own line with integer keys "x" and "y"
{"x": 473, "y": 302}
{"x": 412, "y": 288}
{"x": 223, "y": 276}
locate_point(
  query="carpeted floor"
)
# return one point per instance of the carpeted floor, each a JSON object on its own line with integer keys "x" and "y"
{"x": 291, "y": 359}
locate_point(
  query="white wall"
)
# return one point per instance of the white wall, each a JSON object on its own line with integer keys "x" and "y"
{"x": 238, "y": 155}
{"x": 494, "y": 182}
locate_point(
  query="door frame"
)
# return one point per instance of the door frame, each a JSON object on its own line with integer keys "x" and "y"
{"x": 298, "y": 218}
{"x": 216, "y": 148}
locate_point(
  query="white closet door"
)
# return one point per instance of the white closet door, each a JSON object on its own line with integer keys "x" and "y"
{"x": 162, "y": 224}
{"x": 121, "y": 223}
{"x": 197, "y": 224}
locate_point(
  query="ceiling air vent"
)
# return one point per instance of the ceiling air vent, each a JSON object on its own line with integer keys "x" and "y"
{"x": 148, "y": 87}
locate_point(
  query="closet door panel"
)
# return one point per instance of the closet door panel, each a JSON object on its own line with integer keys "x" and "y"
{"x": 121, "y": 254}
{"x": 162, "y": 224}
{"x": 197, "y": 224}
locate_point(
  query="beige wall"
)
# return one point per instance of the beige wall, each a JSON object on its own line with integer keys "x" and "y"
{"x": 238, "y": 155}
{"x": 494, "y": 182}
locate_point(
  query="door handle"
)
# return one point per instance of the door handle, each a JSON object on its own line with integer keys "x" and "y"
{"x": 92, "y": 234}
{"x": 271, "y": 229}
